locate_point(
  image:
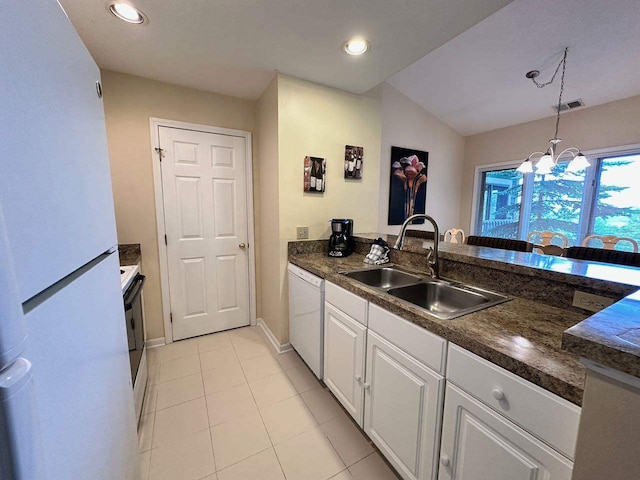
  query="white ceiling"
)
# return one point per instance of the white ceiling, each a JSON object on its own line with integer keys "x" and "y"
{"x": 235, "y": 46}
{"x": 476, "y": 82}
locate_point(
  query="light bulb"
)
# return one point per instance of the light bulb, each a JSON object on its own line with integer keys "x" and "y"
{"x": 578, "y": 164}
{"x": 544, "y": 165}
{"x": 126, "y": 12}
{"x": 526, "y": 167}
{"x": 356, "y": 46}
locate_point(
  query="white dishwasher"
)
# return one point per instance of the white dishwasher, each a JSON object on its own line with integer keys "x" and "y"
{"x": 306, "y": 317}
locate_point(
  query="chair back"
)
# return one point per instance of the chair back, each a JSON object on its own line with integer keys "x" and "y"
{"x": 604, "y": 255}
{"x": 546, "y": 237}
{"x": 452, "y": 235}
{"x": 552, "y": 250}
{"x": 503, "y": 243}
{"x": 609, "y": 242}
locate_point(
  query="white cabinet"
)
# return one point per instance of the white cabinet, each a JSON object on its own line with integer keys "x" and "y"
{"x": 479, "y": 444}
{"x": 344, "y": 355}
{"x": 403, "y": 401}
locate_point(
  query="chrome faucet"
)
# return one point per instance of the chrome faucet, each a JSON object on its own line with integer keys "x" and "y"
{"x": 432, "y": 255}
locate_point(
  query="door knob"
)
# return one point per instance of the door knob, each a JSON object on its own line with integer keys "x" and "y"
{"x": 242, "y": 246}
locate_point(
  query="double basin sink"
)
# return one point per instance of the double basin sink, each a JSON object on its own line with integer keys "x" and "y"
{"x": 442, "y": 299}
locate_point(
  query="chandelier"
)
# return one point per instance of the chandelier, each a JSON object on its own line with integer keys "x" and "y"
{"x": 549, "y": 159}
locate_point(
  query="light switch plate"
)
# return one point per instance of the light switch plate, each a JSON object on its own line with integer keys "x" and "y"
{"x": 302, "y": 233}
{"x": 591, "y": 302}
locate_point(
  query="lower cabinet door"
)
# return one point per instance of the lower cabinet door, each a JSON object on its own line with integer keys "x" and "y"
{"x": 344, "y": 353}
{"x": 403, "y": 407}
{"x": 480, "y": 444}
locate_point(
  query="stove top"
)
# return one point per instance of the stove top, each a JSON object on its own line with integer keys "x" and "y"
{"x": 127, "y": 274}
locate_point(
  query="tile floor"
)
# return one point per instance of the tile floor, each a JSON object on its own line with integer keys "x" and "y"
{"x": 227, "y": 407}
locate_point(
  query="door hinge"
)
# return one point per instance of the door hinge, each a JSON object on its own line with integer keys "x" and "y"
{"x": 171, "y": 316}
{"x": 160, "y": 152}
{"x": 165, "y": 240}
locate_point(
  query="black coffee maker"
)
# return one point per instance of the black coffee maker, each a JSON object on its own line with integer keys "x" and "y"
{"x": 341, "y": 240}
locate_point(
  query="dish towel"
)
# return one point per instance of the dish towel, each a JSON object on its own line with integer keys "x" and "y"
{"x": 379, "y": 253}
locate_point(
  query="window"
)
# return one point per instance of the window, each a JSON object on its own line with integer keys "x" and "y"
{"x": 603, "y": 200}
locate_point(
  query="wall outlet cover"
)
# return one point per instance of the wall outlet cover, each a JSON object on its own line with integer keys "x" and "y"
{"x": 591, "y": 302}
{"x": 302, "y": 233}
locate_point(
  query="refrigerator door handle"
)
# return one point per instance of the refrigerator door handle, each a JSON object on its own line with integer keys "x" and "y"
{"x": 20, "y": 445}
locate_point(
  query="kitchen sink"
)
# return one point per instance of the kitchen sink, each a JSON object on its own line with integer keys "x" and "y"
{"x": 443, "y": 299}
{"x": 384, "y": 278}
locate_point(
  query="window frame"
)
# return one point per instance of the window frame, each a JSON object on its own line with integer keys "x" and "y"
{"x": 589, "y": 197}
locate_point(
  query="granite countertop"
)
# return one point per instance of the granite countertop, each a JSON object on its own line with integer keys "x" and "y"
{"x": 522, "y": 336}
{"x": 129, "y": 253}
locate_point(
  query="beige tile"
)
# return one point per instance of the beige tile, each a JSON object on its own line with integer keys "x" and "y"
{"x": 272, "y": 389}
{"x": 263, "y": 466}
{"x": 213, "y": 476}
{"x": 182, "y": 348}
{"x": 289, "y": 360}
{"x": 219, "y": 359}
{"x": 220, "y": 379}
{"x": 153, "y": 374}
{"x": 145, "y": 463}
{"x": 145, "y": 431}
{"x": 179, "y": 391}
{"x": 213, "y": 342}
{"x": 343, "y": 475}
{"x": 190, "y": 459}
{"x": 309, "y": 456}
{"x": 150, "y": 399}
{"x": 303, "y": 379}
{"x": 372, "y": 467}
{"x": 174, "y": 423}
{"x": 153, "y": 356}
{"x": 252, "y": 349}
{"x": 228, "y": 404}
{"x": 246, "y": 333}
{"x": 239, "y": 438}
{"x": 322, "y": 404}
{"x": 260, "y": 367}
{"x": 347, "y": 439}
{"x": 180, "y": 367}
{"x": 286, "y": 419}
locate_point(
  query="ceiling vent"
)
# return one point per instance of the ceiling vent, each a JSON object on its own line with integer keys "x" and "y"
{"x": 569, "y": 105}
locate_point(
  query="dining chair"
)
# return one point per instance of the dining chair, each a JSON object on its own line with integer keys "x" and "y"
{"x": 452, "y": 234}
{"x": 609, "y": 242}
{"x": 617, "y": 257}
{"x": 503, "y": 243}
{"x": 546, "y": 237}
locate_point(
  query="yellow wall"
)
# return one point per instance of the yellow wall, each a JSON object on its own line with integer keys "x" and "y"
{"x": 317, "y": 121}
{"x": 129, "y": 102}
{"x": 271, "y": 308}
{"x": 609, "y": 125}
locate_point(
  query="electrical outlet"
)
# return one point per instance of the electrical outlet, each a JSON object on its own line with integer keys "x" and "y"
{"x": 302, "y": 233}
{"x": 591, "y": 302}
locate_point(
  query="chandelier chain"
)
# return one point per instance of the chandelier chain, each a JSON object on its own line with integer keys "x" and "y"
{"x": 564, "y": 69}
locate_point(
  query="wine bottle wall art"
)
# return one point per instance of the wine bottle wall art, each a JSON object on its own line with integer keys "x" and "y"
{"x": 315, "y": 171}
{"x": 353, "y": 162}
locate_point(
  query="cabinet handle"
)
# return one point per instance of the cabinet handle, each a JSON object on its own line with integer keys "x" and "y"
{"x": 367, "y": 386}
{"x": 358, "y": 378}
{"x": 445, "y": 460}
{"x": 498, "y": 394}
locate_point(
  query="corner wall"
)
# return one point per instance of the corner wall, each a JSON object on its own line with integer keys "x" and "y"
{"x": 610, "y": 125}
{"x": 407, "y": 124}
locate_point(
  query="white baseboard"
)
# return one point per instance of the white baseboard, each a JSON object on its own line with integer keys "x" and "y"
{"x": 155, "y": 342}
{"x": 280, "y": 348}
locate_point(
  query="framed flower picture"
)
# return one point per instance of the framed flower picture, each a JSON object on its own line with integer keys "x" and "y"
{"x": 408, "y": 184}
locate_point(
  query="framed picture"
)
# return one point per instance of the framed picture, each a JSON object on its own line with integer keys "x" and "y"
{"x": 353, "y": 162}
{"x": 408, "y": 184}
{"x": 315, "y": 169}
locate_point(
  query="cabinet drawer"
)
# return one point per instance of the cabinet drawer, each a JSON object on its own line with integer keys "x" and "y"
{"x": 347, "y": 302}
{"x": 552, "y": 419}
{"x": 423, "y": 345}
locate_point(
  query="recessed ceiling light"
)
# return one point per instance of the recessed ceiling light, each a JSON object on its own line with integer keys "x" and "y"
{"x": 126, "y": 12}
{"x": 355, "y": 46}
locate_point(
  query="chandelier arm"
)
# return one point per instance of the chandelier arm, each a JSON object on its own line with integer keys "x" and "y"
{"x": 572, "y": 150}
{"x": 542, "y": 154}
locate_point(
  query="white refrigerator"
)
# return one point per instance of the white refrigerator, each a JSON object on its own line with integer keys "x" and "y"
{"x": 66, "y": 400}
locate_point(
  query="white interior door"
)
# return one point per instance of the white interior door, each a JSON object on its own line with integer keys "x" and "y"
{"x": 205, "y": 207}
